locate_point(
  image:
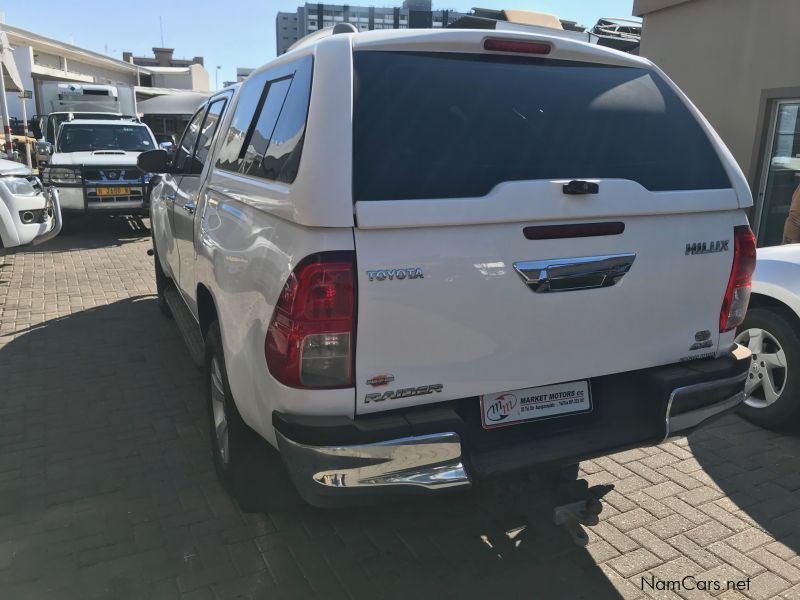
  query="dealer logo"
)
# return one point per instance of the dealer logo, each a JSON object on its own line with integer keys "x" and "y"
{"x": 501, "y": 408}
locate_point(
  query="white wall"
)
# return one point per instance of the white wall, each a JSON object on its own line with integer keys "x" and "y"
{"x": 723, "y": 53}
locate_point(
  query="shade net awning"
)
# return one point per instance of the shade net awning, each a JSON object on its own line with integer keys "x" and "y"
{"x": 184, "y": 103}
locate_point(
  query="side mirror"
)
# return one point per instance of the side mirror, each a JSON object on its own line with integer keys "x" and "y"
{"x": 153, "y": 161}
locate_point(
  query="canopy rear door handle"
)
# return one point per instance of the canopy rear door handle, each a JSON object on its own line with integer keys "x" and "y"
{"x": 581, "y": 273}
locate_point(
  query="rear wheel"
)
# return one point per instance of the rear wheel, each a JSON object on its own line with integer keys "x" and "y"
{"x": 773, "y": 380}
{"x": 162, "y": 283}
{"x": 235, "y": 447}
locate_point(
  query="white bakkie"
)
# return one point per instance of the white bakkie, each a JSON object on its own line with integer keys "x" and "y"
{"x": 413, "y": 259}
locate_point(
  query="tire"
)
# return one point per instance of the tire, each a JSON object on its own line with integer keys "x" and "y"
{"x": 162, "y": 283}
{"x": 773, "y": 384}
{"x": 237, "y": 450}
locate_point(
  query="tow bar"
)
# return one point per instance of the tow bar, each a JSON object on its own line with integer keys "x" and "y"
{"x": 585, "y": 511}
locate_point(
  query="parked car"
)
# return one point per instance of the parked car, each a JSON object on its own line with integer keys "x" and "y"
{"x": 409, "y": 260}
{"x": 771, "y": 330}
{"x": 28, "y": 212}
{"x": 94, "y": 166}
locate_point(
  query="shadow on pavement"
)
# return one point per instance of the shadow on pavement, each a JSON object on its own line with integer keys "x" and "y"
{"x": 107, "y": 490}
{"x": 89, "y": 232}
{"x": 758, "y": 470}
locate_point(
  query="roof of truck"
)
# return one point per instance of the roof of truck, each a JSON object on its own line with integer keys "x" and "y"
{"x": 126, "y": 122}
{"x": 470, "y": 40}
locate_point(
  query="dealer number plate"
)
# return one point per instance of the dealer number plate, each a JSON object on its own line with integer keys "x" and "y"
{"x": 530, "y": 404}
{"x": 113, "y": 191}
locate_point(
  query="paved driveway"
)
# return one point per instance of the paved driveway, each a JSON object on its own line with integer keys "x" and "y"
{"x": 107, "y": 489}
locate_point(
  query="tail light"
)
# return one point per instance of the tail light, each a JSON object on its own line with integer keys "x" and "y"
{"x": 737, "y": 296}
{"x": 310, "y": 339}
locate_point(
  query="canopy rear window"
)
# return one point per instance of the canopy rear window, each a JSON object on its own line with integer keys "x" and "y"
{"x": 443, "y": 125}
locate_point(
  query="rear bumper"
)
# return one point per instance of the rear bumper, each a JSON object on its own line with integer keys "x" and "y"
{"x": 433, "y": 449}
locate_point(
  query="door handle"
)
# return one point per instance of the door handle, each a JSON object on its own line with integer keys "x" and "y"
{"x": 567, "y": 274}
{"x": 189, "y": 207}
{"x": 171, "y": 197}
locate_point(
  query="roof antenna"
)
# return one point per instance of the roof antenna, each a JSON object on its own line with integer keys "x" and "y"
{"x": 161, "y": 27}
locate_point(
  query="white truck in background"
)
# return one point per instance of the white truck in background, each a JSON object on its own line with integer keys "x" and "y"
{"x": 64, "y": 101}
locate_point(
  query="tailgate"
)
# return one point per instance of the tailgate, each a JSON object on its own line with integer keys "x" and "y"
{"x": 444, "y": 307}
{"x": 478, "y": 273}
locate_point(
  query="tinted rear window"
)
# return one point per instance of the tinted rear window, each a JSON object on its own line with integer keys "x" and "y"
{"x": 440, "y": 125}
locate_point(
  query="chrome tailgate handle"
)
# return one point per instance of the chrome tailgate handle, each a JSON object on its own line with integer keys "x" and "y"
{"x": 581, "y": 273}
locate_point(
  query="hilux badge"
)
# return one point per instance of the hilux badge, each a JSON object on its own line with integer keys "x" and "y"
{"x": 707, "y": 247}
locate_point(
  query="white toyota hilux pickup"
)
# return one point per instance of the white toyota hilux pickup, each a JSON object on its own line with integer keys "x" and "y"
{"x": 409, "y": 260}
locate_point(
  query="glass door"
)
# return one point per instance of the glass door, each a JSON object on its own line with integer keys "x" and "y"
{"x": 780, "y": 174}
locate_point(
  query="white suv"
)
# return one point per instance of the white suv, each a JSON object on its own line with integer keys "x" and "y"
{"x": 94, "y": 166}
{"x": 411, "y": 259}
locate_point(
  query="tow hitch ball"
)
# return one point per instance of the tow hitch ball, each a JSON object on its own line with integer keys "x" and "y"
{"x": 573, "y": 515}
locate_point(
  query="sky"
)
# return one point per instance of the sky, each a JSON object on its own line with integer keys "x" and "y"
{"x": 228, "y": 33}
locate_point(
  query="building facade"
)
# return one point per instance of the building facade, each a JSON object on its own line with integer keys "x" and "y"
{"x": 290, "y": 27}
{"x": 40, "y": 59}
{"x": 737, "y": 61}
{"x": 164, "y": 71}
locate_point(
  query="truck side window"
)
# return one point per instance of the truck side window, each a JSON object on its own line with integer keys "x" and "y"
{"x": 265, "y": 137}
{"x": 187, "y": 144}
{"x": 206, "y": 136}
{"x": 259, "y": 137}
{"x": 250, "y": 97}
{"x": 282, "y": 157}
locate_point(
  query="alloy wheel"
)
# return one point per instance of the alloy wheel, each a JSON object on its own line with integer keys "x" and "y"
{"x": 766, "y": 376}
{"x": 218, "y": 410}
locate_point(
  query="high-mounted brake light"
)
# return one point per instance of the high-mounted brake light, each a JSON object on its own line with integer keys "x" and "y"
{"x": 521, "y": 46}
{"x": 737, "y": 295}
{"x": 310, "y": 339}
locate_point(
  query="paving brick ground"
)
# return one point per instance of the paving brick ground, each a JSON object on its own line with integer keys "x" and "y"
{"x": 107, "y": 490}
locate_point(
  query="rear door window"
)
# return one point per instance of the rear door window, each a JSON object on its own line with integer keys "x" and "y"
{"x": 206, "y": 135}
{"x": 441, "y": 125}
{"x": 186, "y": 146}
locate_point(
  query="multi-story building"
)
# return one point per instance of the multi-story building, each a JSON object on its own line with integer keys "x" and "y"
{"x": 290, "y": 27}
